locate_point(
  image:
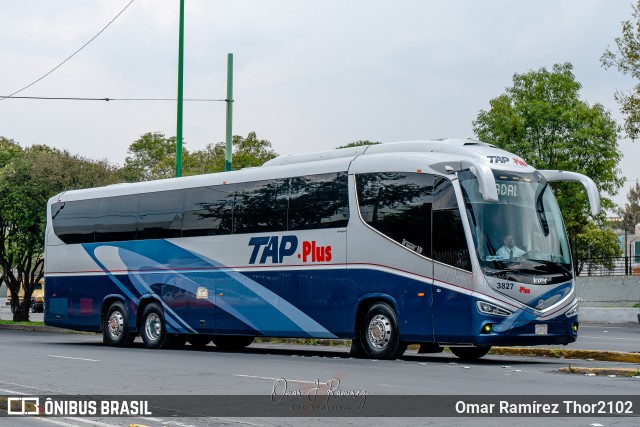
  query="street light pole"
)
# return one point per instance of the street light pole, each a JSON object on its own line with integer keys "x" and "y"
{"x": 180, "y": 92}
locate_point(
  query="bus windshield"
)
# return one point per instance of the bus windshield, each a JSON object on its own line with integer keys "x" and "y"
{"x": 522, "y": 234}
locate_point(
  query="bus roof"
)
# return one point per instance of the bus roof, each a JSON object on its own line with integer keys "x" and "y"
{"x": 443, "y": 156}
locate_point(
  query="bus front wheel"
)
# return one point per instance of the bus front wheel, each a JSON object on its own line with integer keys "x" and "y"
{"x": 470, "y": 353}
{"x": 153, "y": 329}
{"x": 116, "y": 326}
{"x": 380, "y": 336}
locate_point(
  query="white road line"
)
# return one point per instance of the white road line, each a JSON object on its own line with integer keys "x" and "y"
{"x": 53, "y": 421}
{"x": 11, "y": 391}
{"x": 73, "y": 358}
{"x": 93, "y": 423}
{"x": 179, "y": 424}
{"x": 273, "y": 379}
{"x": 610, "y": 338}
{"x": 48, "y": 390}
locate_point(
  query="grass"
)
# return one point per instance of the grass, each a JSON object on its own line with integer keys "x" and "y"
{"x": 11, "y": 322}
{"x": 618, "y": 372}
{"x": 559, "y": 353}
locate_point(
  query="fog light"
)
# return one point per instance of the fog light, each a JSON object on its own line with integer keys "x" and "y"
{"x": 575, "y": 327}
{"x": 486, "y": 328}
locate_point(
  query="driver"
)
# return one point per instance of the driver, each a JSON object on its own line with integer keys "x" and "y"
{"x": 509, "y": 250}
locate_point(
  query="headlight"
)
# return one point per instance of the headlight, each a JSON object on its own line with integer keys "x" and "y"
{"x": 488, "y": 308}
{"x": 572, "y": 312}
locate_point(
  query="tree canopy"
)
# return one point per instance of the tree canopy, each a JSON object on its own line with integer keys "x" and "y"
{"x": 153, "y": 155}
{"x": 626, "y": 58}
{"x": 631, "y": 212}
{"x": 27, "y": 181}
{"x": 542, "y": 118}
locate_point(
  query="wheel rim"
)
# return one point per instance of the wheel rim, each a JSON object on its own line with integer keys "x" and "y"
{"x": 153, "y": 326}
{"x": 379, "y": 331}
{"x": 116, "y": 324}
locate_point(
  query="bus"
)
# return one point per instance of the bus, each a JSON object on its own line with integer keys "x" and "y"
{"x": 384, "y": 245}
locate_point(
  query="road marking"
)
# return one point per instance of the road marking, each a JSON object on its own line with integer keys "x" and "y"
{"x": 610, "y": 338}
{"x": 52, "y": 421}
{"x": 12, "y": 392}
{"x": 93, "y": 423}
{"x": 274, "y": 379}
{"x": 177, "y": 423}
{"x": 73, "y": 358}
{"x": 35, "y": 388}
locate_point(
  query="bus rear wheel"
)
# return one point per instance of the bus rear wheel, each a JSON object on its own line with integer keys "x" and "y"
{"x": 379, "y": 334}
{"x": 470, "y": 353}
{"x": 232, "y": 342}
{"x": 153, "y": 328}
{"x": 116, "y": 326}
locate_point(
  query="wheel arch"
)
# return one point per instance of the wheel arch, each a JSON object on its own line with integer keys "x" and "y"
{"x": 364, "y": 302}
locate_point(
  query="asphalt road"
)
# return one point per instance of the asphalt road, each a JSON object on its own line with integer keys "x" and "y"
{"x": 49, "y": 363}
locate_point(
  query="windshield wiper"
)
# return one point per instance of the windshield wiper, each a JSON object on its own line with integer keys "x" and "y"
{"x": 542, "y": 216}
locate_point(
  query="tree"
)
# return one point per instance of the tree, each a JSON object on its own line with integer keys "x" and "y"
{"x": 246, "y": 152}
{"x": 542, "y": 119}
{"x": 26, "y": 184}
{"x": 631, "y": 212}
{"x": 597, "y": 247}
{"x": 359, "y": 143}
{"x": 152, "y": 156}
{"x": 626, "y": 58}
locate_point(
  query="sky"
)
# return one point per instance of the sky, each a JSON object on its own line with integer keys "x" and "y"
{"x": 308, "y": 75}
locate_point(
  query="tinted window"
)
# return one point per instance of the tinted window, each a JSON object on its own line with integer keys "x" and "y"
{"x": 318, "y": 201}
{"x": 160, "y": 215}
{"x": 116, "y": 218}
{"x": 260, "y": 207}
{"x": 449, "y": 242}
{"x": 208, "y": 211}
{"x": 399, "y": 206}
{"x": 74, "y": 222}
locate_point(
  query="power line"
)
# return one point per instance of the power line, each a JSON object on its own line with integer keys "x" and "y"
{"x": 70, "y": 98}
{"x": 70, "y": 56}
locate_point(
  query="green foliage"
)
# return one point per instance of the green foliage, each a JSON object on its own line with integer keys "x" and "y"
{"x": 542, "y": 119}
{"x": 153, "y": 156}
{"x": 631, "y": 212}
{"x": 626, "y": 58}
{"x": 597, "y": 246}
{"x": 359, "y": 143}
{"x": 246, "y": 152}
{"x": 27, "y": 182}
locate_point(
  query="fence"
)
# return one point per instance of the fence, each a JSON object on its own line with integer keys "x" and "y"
{"x": 620, "y": 266}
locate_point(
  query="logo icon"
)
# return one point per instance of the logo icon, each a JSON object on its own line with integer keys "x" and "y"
{"x": 23, "y": 405}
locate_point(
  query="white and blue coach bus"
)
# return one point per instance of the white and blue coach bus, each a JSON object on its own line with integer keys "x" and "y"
{"x": 385, "y": 245}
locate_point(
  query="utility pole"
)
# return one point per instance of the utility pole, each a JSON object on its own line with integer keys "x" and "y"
{"x": 180, "y": 92}
{"x": 229, "y": 145}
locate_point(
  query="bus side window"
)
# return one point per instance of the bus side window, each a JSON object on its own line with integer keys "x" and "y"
{"x": 75, "y": 222}
{"x": 160, "y": 215}
{"x": 261, "y": 206}
{"x": 399, "y": 206}
{"x": 208, "y": 211}
{"x": 449, "y": 242}
{"x": 318, "y": 201}
{"x": 116, "y": 218}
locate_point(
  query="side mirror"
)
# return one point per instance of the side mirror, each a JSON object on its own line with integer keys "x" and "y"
{"x": 589, "y": 185}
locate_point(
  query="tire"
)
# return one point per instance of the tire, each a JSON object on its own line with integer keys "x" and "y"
{"x": 199, "y": 341}
{"x": 379, "y": 333}
{"x": 115, "y": 330}
{"x": 153, "y": 328}
{"x": 232, "y": 342}
{"x": 470, "y": 353}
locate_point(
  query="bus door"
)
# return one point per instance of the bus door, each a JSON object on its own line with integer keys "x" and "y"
{"x": 452, "y": 268}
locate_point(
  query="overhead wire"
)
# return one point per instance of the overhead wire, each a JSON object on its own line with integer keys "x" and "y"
{"x": 74, "y": 98}
{"x": 70, "y": 56}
